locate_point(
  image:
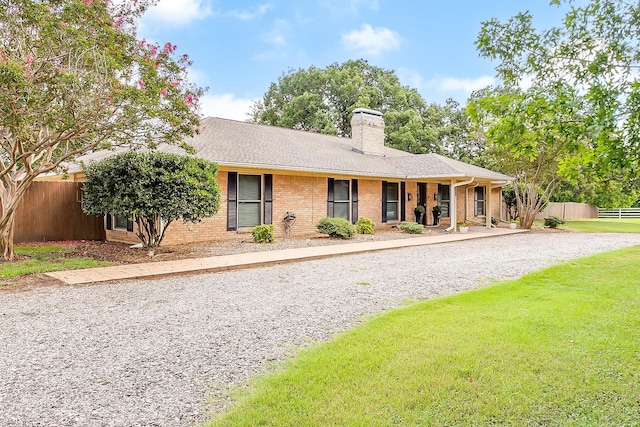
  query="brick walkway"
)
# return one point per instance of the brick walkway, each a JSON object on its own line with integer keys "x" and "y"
{"x": 254, "y": 259}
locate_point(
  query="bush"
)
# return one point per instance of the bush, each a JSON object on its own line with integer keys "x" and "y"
{"x": 553, "y": 221}
{"x": 263, "y": 233}
{"x": 494, "y": 221}
{"x": 411, "y": 227}
{"x": 336, "y": 227}
{"x": 365, "y": 226}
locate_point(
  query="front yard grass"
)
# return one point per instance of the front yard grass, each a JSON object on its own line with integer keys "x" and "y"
{"x": 556, "y": 348}
{"x": 605, "y": 225}
{"x": 42, "y": 259}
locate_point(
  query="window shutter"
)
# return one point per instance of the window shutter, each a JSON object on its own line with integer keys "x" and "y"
{"x": 354, "y": 200}
{"x": 268, "y": 198}
{"x": 232, "y": 201}
{"x": 109, "y": 221}
{"x": 384, "y": 201}
{"x": 129, "y": 225}
{"x": 403, "y": 200}
{"x": 330, "y": 199}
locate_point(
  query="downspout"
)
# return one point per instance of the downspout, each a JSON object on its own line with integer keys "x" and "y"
{"x": 454, "y": 213}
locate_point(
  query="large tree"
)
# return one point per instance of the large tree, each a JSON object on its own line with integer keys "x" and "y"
{"x": 534, "y": 136}
{"x": 596, "y": 52}
{"x": 152, "y": 188}
{"x": 74, "y": 78}
{"x": 322, "y": 100}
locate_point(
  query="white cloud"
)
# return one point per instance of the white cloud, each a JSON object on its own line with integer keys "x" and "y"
{"x": 177, "y": 12}
{"x": 278, "y": 39}
{"x": 279, "y": 33}
{"x": 439, "y": 88}
{"x": 226, "y": 106}
{"x": 247, "y": 15}
{"x": 371, "y": 41}
{"x": 454, "y": 84}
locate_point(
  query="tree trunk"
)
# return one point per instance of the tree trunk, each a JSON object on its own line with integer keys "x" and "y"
{"x": 530, "y": 202}
{"x": 6, "y": 236}
{"x": 10, "y": 196}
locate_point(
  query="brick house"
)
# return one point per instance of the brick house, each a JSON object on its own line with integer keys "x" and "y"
{"x": 267, "y": 172}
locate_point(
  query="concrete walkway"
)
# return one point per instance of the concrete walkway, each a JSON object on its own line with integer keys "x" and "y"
{"x": 255, "y": 259}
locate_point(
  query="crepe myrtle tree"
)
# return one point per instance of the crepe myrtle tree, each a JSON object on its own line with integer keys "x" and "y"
{"x": 74, "y": 78}
{"x": 595, "y": 49}
{"x": 153, "y": 189}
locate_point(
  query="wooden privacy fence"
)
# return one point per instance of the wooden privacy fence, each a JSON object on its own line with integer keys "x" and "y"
{"x": 569, "y": 210}
{"x": 619, "y": 213}
{"x": 53, "y": 211}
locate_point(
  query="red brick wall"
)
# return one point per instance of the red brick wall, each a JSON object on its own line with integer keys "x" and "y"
{"x": 306, "y": 196}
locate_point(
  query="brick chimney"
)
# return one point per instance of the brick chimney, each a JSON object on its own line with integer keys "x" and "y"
{"x": 367, "y": 131}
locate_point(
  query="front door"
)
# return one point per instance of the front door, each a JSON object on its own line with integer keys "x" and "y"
{"x": 422, "y": 200}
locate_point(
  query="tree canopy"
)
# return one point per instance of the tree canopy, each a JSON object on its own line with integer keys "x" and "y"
{"x": 596, "y": 51}
{"x": 154, "y": 189}
{"x": 569, "y": 102}
{"x": 532, "y": 135}
{"x": 74, "y": 78}
{"x": 322, "y": 100}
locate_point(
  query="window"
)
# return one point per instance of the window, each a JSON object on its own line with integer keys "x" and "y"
{"x": 249, "y": 200}
{"x": 391, "y": 205}
{"x": 341, "y": 198}
{"x": 478, "y": 201}
{"x": 444, "y": 198}
{"x": 120, "y": 221}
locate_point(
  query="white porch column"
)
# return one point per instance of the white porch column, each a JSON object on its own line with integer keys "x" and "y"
{"x": 488, "y": 206}
{"x": 453, "y": 214}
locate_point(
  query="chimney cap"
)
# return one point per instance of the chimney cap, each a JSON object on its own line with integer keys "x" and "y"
{"x": 367, "y": 111}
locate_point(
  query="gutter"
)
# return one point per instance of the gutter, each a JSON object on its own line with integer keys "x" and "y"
{"x": 454, "y": 196}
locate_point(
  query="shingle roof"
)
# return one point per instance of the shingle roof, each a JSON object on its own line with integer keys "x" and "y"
{"x": 242, "y": 144}
{"x": 232, "y": 143}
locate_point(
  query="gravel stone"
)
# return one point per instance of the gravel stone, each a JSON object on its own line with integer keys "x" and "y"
{"x": 164, "y": 352}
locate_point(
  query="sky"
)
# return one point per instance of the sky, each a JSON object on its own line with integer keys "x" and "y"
{"x": 240, "y": 47}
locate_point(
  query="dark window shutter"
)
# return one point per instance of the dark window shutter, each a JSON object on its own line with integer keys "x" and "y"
{"x": 268, "y": 199}
{"x": 232, "y": 201}
{"x": 109, "y": 221}
{"x": 403, "y": 200}
{"x": 330, "y": 182}
{"x": 384, "y": 201}
{"x": 354, "y": 200}
{"x": 129, "y": 225}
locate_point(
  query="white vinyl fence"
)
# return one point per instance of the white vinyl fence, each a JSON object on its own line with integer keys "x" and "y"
{"x": 619, "y": 213}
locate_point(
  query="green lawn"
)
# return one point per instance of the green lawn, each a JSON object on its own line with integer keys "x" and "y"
{"x": 43, "y": 259}
{"x": 556, "y": 348}
{"x": 605, "y": 225}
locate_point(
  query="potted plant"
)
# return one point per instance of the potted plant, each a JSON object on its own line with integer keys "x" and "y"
{"x": 464, "y": 227}
{"x": 512, "y": 224}
{"x": 419, "y": 212}
{"x": 436, "y": 214}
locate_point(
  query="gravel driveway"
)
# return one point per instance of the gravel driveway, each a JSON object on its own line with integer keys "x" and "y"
{"x": 161, "y": 352}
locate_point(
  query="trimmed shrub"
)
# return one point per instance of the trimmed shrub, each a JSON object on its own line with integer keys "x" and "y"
{"x": 553, "y": 221}
{"x": 263, "y": 233}
{"x": 365, "y": 226}
{"x": 336, "y": 227}
{"x": 411, "y": 227}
